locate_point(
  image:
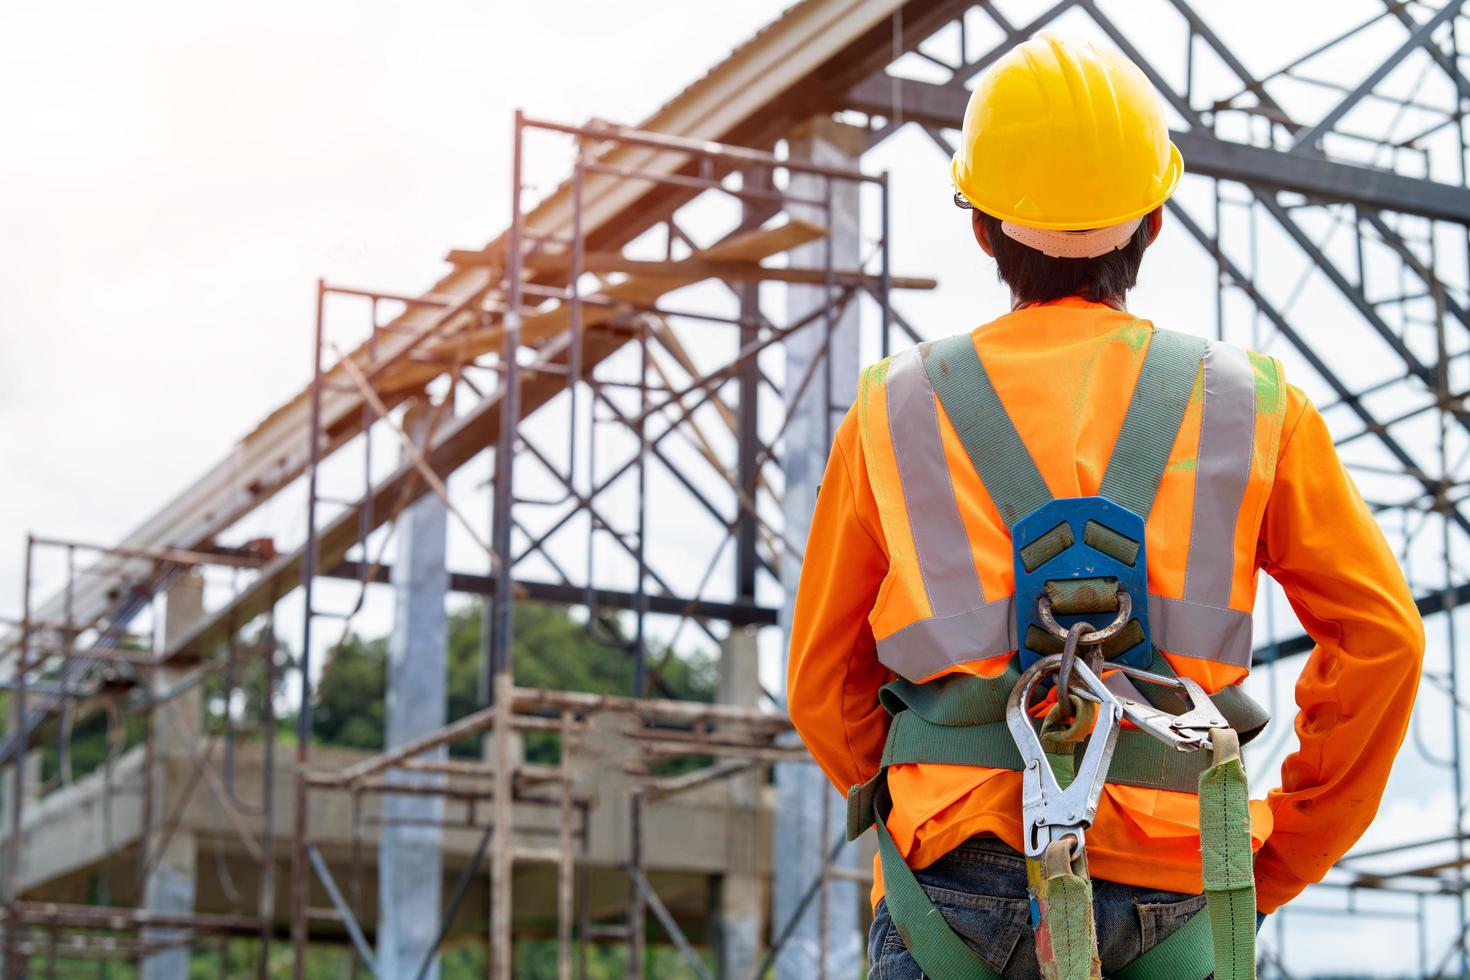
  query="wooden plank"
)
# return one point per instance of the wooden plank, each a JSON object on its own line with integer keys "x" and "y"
{"x": 602, "y": 262}
{"x": 536, "y": 328}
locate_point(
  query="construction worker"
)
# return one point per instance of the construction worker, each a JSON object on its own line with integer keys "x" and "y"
{"x": 921, "y": 535}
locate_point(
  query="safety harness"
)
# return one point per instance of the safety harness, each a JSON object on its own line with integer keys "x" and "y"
{"x": 1076, "y": 558}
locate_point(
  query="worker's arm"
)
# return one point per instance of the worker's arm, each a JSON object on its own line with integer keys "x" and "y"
{"x": 1357, "y": 688}
{"x": 833, "y": 674}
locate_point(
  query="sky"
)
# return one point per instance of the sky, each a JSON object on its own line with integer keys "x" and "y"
{"x": 176, "y": 176}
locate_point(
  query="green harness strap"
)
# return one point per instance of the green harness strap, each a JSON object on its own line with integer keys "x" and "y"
{"x": 1228, "y": 864}
{"x": 1219, "y": 940}
{"x": 959, "y": 720}
{"x": 1222, "y": 940}
{"x": 1151, "y": 425}
{"x": 1225, "y": 932}
{"x": 985, "y": 430}
{"x": 934, "y": 946}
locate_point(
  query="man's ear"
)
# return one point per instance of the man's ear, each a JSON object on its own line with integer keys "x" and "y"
{"x": 982, "y": 233}
{"x": 1155, "y": 221}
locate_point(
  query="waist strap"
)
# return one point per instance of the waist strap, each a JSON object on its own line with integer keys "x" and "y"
{"x": 959, "y": 719}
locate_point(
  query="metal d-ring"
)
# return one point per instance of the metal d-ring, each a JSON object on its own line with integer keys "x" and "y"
{"x": 1049, "y": 621}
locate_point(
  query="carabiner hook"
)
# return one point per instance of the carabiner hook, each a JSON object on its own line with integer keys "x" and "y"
{"x": 1064, "y": 672}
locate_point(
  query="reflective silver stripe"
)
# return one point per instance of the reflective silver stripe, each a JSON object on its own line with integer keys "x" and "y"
{"x": 923, "y": 648}
{"x": 1201, "y": 631}
{"x": 1178, "y": 626}
{"x": 1227, "y": 435}
{"x": 943, "y": 547}
{"x": 966, "y": 628}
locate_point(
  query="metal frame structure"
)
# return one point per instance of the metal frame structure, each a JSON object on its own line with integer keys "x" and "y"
{"x": 1330, "y": 196}
{"x": 618, "y": 315}
{"x": 96, "y": 666}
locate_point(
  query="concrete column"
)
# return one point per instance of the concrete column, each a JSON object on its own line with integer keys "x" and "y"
{"x": 810, "y": 815}
{"x": 739, "y": 915}
{"x": 174, "y": 724}
{"x": 410, "y": 867}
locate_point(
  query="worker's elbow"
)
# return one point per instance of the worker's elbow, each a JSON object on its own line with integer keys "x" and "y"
{"x": 1400, "y": 658}
{"x": 1414, "y": 639}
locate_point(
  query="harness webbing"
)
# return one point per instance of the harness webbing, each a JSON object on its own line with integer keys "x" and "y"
{"x": 1151, "y": 425}
{"x": 1227, "y": 862}
{"x": 985, "y": 430}
{"x": 939, "y": 952}
{"x": 960, "y": 719}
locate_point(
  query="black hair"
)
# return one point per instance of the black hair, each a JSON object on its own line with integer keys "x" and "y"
{"x": 1037, "y": 278}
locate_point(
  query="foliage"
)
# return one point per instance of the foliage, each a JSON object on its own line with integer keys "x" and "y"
{"x": 551, "y": 649}
{"x": 535, "y": 960}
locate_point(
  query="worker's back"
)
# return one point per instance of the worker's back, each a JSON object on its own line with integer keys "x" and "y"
{"x": 1065, "y": 374}
{"x": 1119, "y": 472}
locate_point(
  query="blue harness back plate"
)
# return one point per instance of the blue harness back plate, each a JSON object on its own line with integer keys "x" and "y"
{"x": 1080, "y": 560}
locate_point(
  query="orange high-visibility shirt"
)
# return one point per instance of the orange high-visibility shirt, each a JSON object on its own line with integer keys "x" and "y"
{"x": 1317, "y": 539}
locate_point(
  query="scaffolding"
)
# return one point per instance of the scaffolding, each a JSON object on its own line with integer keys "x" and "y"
{"x": 612, "y": 363}
{"x": 575, "y": 314}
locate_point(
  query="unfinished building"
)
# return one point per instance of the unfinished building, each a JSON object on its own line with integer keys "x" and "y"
{"x": 649, "y": 364}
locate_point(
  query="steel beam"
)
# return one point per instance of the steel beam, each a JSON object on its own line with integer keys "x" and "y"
{"x": 1420, "y": 37}
{"x": 1428, "y": 605}
{"x": 943, "y": 106}
{"x": 735, "y": 613}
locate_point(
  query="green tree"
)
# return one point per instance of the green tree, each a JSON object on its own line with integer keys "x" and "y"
{"x": 550, "y": 649}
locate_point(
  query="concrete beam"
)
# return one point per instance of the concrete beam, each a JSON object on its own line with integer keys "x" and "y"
{"x": 739, "y": 912}
{"x": 410, "y": 862}
{"x": 174, "y": 728}
{"x": 827, "y": 940}
{"x": 943, "y": 106}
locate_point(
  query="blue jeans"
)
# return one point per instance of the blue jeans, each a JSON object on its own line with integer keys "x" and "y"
{"x": 980, "y": 889}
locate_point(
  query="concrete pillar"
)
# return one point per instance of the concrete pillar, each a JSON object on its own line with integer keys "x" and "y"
{"x": 739, "y": 915}
{"x": 410, "y": 867}
{"x": 810, "y": 815}
{"x": 173, "y": 725}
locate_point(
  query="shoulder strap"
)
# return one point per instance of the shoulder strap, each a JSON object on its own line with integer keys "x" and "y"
{"x": 985, "y": 430}
{"x": 1152, "y": 424}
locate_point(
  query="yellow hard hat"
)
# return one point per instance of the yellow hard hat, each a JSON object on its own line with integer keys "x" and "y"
{"x": 1063, "y": 135}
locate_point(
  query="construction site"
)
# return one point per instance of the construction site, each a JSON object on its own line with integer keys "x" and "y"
{"x": 468, "y": 660}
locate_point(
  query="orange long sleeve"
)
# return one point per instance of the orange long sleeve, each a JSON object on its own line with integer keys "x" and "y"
{"x": 1357, "y": 689}
{"x": 833, "y": 673}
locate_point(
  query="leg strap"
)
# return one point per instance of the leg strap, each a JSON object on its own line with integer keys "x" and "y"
{"x": 1186, "y": 955}
{"x": 934, "y": 946}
